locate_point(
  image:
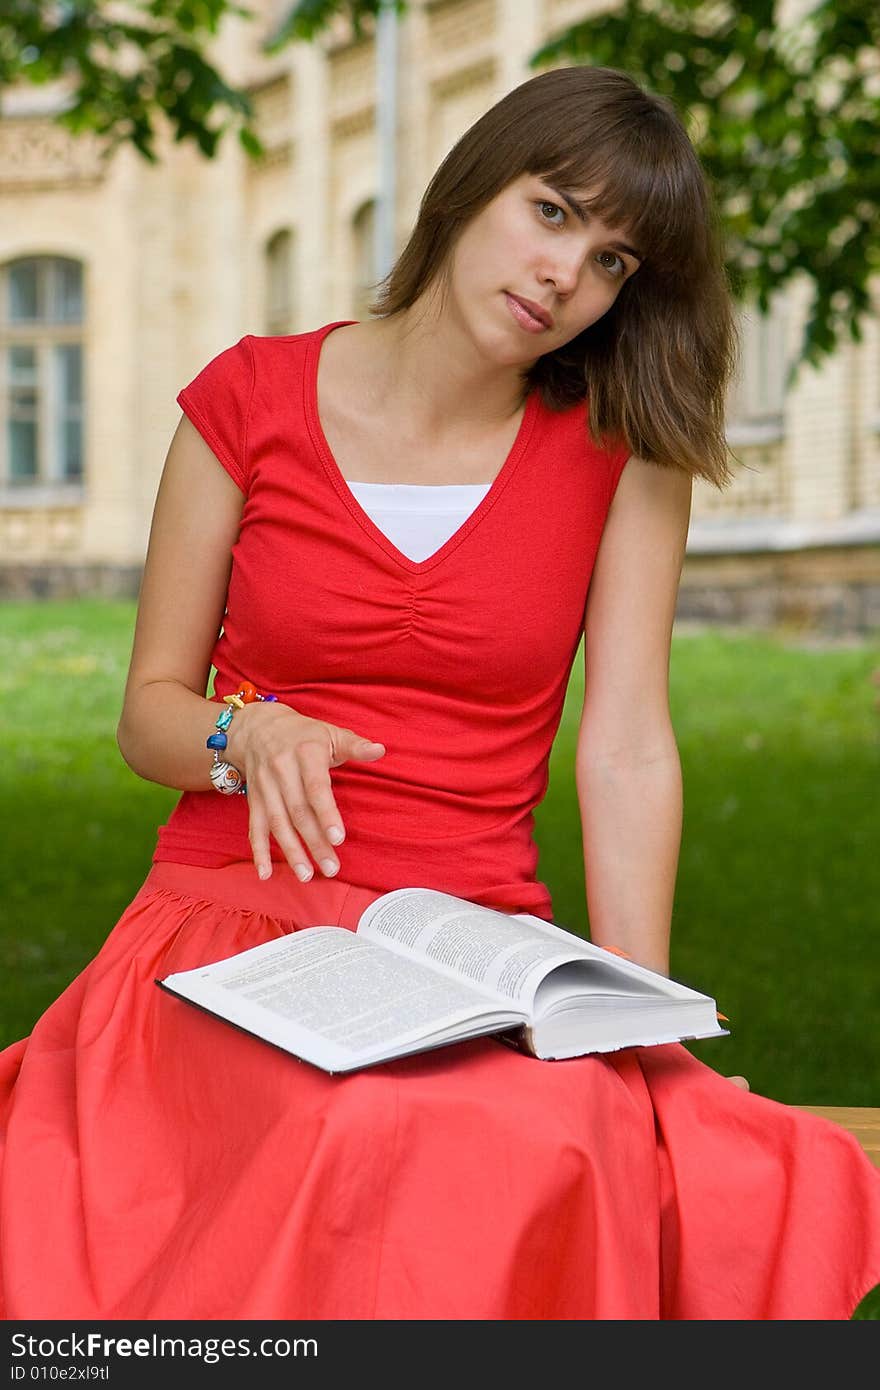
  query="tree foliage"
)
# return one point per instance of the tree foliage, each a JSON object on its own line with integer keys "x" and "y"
{"x": 785, "y": 117}
{"x": 126, "y": 65}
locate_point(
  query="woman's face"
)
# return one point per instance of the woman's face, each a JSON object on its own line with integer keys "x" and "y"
{"x": 530, "y": 244}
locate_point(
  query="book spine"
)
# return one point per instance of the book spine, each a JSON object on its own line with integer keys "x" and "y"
{"x": 521, "y": 1039}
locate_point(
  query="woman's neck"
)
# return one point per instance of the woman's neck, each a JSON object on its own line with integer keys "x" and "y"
{"x": 431, "y": 377}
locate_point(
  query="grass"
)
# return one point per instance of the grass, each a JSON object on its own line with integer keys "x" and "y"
{"x": 779, "y": 876}
{"x": 869, "y": 1308}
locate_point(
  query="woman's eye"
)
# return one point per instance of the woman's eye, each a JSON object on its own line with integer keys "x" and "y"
{"x": 616, "y": 269}
{"x": 543, "y": 204}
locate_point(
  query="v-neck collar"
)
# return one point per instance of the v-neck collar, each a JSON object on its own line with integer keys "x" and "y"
{"x": 324, "y": 452}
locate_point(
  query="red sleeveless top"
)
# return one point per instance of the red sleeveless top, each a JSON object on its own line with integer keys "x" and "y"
{"x": 458, "y": 664}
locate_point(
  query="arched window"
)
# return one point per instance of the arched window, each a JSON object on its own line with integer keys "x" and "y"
{"x": 42, "y": 355}
{"x": 364, "y": 232}
{"x": 279, "y": 284}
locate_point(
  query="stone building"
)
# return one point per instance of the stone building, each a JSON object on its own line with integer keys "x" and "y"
{"x": 119, "y": 280}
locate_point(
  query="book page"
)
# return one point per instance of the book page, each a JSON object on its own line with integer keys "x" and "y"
{"x": 496, "y": 951}
{"x": 329, "y": 982}
{"x": 602, "y": 986}
{"x": 629, "y": 970}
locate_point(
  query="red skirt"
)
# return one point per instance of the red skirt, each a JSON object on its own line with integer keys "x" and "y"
{"x": 160, "y": 1164}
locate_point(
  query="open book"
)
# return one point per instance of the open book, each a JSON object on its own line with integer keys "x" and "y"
{"x": 424, "y": 969}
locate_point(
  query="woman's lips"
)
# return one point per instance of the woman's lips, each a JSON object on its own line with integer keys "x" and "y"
{"x": 523, "y": 317}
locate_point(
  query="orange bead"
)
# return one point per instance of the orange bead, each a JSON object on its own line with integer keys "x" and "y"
{"x": 248, "y": 692}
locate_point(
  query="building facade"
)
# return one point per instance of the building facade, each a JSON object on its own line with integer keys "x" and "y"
{"x": 120, "y": 279}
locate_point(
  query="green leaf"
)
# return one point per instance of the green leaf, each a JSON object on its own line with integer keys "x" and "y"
{"x": 251, "y": 142}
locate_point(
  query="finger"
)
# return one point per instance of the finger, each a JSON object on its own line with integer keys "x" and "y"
{"x": 268, "y": 815}
{"x": 295, "y": 811}
{"x": 740, "y": 1081}
{"x": 258, "y": 834}
{"x": 330, "y": 831}
{"x": 366, "y": 748}
{"x": 345, "y": 744}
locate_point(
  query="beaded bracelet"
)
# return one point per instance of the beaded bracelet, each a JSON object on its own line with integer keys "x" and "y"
{"x": 224, "y": 776}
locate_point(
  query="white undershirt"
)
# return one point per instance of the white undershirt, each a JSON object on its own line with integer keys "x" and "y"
{"x": 418, "y": 518}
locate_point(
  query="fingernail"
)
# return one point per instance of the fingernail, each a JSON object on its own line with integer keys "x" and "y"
{"x": 303, "y": 872}
{"x": 335, "y": 835}
{"x": 329, "y": 866}
{"x": 264, "y": 871}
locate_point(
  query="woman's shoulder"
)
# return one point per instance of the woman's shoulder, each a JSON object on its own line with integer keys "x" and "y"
{"x": 279, "y": 356}
{"x": 283, "y": 344}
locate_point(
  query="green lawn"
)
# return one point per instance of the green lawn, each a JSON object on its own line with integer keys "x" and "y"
{"x": 779, "y": 880}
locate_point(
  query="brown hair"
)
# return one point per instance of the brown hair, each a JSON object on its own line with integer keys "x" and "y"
{"x": 655, "y": 368}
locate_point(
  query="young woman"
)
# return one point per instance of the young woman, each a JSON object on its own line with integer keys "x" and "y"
{"x": 403, "y": 528}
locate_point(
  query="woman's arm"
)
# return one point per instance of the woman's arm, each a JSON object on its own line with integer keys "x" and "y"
{"x": 166, "y": 719}
{"x": 627, "y": 768}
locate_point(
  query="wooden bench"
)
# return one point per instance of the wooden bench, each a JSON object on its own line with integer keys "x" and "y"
{"x": 861, "y": 1121}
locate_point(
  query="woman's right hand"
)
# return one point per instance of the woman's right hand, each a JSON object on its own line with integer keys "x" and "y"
{"x": 285, "y": 758}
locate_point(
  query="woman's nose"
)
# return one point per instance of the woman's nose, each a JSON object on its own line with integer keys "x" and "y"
{"x": 565, "y": 271}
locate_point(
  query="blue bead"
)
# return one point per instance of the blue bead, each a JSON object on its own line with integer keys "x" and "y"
{"x": 216, "y": 741}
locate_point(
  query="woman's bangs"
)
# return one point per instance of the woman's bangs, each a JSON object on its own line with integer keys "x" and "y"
{"x": 648, "y": 198}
